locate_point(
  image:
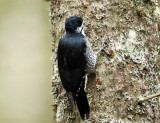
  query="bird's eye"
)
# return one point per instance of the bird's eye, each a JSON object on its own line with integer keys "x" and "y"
{"x": 79, "y": 23}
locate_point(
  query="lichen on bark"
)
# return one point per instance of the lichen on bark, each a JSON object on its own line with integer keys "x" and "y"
{"x": 130, "y": 30}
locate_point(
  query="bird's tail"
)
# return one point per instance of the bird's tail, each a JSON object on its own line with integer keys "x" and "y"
{"x": 82, "y": 104}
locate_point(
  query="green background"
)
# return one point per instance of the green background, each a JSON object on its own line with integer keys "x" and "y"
{"x": 25, "y": 65}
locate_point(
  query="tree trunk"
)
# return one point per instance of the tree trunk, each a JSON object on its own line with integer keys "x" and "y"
{"x": 130, "y": 30}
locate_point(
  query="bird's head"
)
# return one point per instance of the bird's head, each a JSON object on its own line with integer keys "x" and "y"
{"x": 74, "y": 25}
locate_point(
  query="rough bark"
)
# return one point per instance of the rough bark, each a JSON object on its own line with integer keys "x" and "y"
{"x": 130, "y": 30}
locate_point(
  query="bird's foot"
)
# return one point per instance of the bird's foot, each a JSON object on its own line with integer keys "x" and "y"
{"x": 102, "y": 49}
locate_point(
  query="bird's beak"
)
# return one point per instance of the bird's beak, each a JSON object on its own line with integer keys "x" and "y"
{"x": 83, "y": 26}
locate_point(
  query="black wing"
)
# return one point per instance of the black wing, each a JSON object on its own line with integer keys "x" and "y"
{"x": 72, "y": 62}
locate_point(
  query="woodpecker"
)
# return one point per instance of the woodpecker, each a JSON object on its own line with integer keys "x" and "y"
{"x": 76, "y": 60}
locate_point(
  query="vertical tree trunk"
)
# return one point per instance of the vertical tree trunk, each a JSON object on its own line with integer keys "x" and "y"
{"x": 132, "y": 68}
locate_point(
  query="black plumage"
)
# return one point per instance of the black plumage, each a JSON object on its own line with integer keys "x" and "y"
{"x": 71, "y": 61}
{"x": 72, "y": 64}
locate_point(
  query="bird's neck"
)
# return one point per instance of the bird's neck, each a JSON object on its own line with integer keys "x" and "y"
{"x": 76, "y": 33}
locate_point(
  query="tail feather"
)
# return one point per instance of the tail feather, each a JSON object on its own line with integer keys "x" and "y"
{"x": 70, "y": 98}
{"x": 82, "y": 104}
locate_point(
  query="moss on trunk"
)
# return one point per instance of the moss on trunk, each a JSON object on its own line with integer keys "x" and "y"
{"x": 130, "y": 30}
